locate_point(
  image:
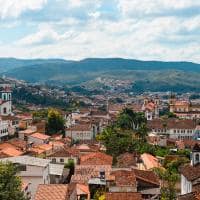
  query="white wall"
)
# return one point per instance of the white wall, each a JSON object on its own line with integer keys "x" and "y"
{"x": 186, "y": 186}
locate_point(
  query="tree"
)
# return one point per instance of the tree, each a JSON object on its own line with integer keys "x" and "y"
{"x": 169, "y": 180}
{"x": 116, "y": 141}
{"x": 10, "y": 184}
{"x": 55, "y": 122}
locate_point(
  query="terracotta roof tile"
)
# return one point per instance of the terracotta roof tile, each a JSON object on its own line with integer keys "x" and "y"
{"x": 149, "y": 161}
{"x": 190, "y": 172}
{"x": 123, "y": 196}
{"x": 52, "y": 192}
{"x": 171, "y": 123}
{"x": 124, "y": 177}
{"x": 96, "y": 158}
{"x": 146, "y": 176}
{"x": 12, "y": 152}
{"x": 127, "y": 160}
{"x": 40, "y": 136}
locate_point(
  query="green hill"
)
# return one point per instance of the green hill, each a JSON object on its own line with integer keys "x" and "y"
{"x": 146, "y": 75}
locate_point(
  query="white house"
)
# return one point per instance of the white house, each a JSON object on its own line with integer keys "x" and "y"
{"x": 38, "y": 138}
{"x": 81, "y": 132}
{"x": 32, "y": 170}
{"x": 173, "y": 128}
{"x": 64, "y": 155}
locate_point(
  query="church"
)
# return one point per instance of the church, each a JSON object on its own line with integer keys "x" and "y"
{"x": 5, "y": 100}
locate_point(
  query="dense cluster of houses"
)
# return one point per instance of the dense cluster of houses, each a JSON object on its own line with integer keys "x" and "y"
{"x": 42, "y": 159}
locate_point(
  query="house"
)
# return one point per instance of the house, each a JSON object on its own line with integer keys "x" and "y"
{"x": 13, "y": 123}
{"x": 23, "y": 134}
{"x": 32, "y": 170}
{"x": 190, "y": 173}
{"x": 124, "y": 181}
{"x": 38, "y": 138}
{"x": 81, "y": 132}
{"x": 86, "y": 174}
{"x": 52, "y": 192}
{"x": 64, "y": 155}
{"x": 173, "y": 128}
{"x": 148, "y": 184}
{"x": 184, "y": 108}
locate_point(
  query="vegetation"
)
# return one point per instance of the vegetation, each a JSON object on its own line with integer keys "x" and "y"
{"x": 22, "y": 95}
{"x": 169, "y": 180}
{"x": 10, "y": 184}
{"x": 152, "y": 76}
{"x": 55, "y": 122}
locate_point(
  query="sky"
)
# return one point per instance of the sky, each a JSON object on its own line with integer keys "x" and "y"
{"x": 167, "y": 30}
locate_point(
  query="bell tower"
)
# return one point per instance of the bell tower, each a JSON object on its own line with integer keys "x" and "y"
{"x": 6, "y": 100}
{"x": 195, "y": 155}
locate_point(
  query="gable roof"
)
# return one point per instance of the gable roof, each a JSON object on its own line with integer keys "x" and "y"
{"x": 146, "y": 176}
{"x": 52, "y": 192}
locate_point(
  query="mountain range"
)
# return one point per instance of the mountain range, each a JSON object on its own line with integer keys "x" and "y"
{"x": 145, "y": 75}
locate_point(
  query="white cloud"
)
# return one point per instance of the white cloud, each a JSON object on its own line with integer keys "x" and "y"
{"x": 13, "y": 8}
{"x": 148, "y": 7}
{"x": 142, "y": 29}
{"x": 45, "y": 35}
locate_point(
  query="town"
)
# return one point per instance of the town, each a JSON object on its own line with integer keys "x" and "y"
{"x": 113, "y": 145}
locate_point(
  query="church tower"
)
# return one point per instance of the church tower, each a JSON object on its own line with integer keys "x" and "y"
{"x": 5, "y": 101}
{"x": 195, "y": 155}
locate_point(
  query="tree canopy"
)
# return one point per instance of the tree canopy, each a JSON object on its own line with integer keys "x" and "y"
{"x": 10, "y": 184}
{"x": 55, "y": 122}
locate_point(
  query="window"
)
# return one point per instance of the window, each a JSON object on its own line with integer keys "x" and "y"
{"x": 22, "y": 167}
{"x": 4, "y": 110}
{"x": 53, "y": 160}
{"x": 197, "y": 157}
{"x": 62, "y": 160}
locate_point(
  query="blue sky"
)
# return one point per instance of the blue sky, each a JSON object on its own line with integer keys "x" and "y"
{"x": 76, "y": 29}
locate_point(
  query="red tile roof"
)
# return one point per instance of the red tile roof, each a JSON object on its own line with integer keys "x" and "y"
{"x": 149, "y": 161}
{"x": 52, "y": 192}
{"x": 190, "y": 172}
{"x": 146, "y": 176}
{"x": 40, "y": 136}
{"x": 124, "y": 177}
{"x": 11, "y": 152}
{"x": 96, "y": 158}
{"x": 171, "y": 124}
{"x": 127, "y": 160}
{"x": 123, "y": 196}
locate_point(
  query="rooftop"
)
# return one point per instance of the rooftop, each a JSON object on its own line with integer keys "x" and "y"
{"x": 51, "y": 192}
{"x": 28, "y": 160}
{"x": 123, "y": 196}
{"x": 40, "y": 136}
